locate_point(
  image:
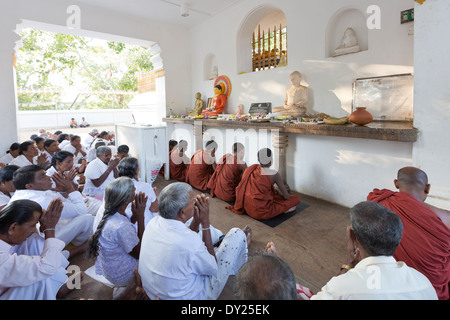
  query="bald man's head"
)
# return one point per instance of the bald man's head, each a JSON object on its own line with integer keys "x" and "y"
{"x": 411, "y": 176}
{"x": 413, "y": 181}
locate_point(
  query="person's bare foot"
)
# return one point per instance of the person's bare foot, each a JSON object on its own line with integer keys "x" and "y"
{"x": 140, "y": 292}
{"x": 270, "y": 248}
{"x": 248, "y": 232}
{"x": 291, "y": 209}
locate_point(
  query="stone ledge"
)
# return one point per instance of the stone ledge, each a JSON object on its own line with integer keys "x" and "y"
{"x": 378, "y": 130}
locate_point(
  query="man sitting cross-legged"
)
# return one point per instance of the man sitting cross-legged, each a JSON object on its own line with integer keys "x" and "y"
{"x": 228, "y": 174}
{"x": 75, "y": 225}
{"x": 256, "y": 194}
{"x": 203, "y": 164}
{"x": 191, "y": 269}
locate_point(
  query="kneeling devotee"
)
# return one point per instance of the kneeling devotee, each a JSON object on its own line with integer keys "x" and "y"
{"x": 6, "y": 184}
{"x": 100, "y": 172}
{"x": 75, "y": 226}
{"x": 129, "y": 167}
{"x": 29, "y": 154}
{"x": 202, "y": 166}
{"x": 371, "y": 272}
{"x": 179, "y": 162}
{"x": 228, "y": 174}
{"x": 256, "y": 194}
{"x": 425, "y": 244}
{"x": 190, "y": 269}
{"x": 32, "y": 267}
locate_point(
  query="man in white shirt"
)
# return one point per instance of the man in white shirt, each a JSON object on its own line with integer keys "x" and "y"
{"x": 76, "y": 149}
{"x": 75, "y": 225}
{"x": 371, "y": 272}
{"x": 99, "y": 173}
{"x": 84, "y": 123}
{"x": 89, "y": 138}
{"x": 190, "y": 268}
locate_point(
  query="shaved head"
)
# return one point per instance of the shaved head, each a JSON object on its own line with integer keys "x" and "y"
{"x": 412, "y": 177}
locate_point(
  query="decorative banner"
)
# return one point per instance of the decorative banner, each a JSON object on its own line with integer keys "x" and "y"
{"x": 224, "y": 83}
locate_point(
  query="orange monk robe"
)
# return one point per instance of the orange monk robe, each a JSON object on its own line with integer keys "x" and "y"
{"x": 225, "y": 179}
{"x": 177, "y": 166}
{"x": 425, "y": 243}
{"x": 199, "y": 171}
{"x": 218, "y": 103}
{"x": 256, "y": 196}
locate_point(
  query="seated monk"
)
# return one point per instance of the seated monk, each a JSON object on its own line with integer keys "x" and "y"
{"x": 202, "y": 166}
{"x": 256, "y": 194}
{"x": 179, "y": 162}
{"x": 228, "y": 174}
{"x": 425, "y": 244}
{"x": 172, "y": 144}
{"x": 218, "y": 103}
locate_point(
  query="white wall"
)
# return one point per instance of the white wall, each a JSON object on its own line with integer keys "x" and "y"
{"x": 341, "y": 170}
{"x": 431, "y": 153}
{"x": 168, "y": 37}
{"x": 329, "y": 79}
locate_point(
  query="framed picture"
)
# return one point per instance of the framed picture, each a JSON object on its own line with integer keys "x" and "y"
{"x": 386, "y": 98}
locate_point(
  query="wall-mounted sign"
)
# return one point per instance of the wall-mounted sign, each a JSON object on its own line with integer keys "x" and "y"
{"x": 407, "y": 16}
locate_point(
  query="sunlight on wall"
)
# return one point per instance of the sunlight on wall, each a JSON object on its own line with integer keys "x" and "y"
{"x": 346, "y": 157}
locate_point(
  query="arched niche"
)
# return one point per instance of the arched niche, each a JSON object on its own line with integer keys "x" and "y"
{"x": 261, "y": 14}
{"x": 210, "y": 67}
{"x": 346, "y": 18}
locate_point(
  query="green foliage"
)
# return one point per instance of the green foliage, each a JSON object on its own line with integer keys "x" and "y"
{"x": 76, "y": 64}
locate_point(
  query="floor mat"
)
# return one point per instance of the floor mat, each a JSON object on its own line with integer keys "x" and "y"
{"x": 275, "y": 221}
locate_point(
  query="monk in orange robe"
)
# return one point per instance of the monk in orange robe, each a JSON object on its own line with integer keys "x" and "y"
{"x": 228, "y": 174}
{"x": 202, "y": 166}
{"x": 256, "y": 194}
{"x": 179, "y": 162}
{"x": 218, "y": 103}
{"x": 425, "y": 244}
{"x": 172, "y": 144}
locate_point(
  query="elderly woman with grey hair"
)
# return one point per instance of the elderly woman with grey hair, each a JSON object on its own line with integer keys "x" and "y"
{"x": 175, "y": 263}
{"x": 371, "y": 272}
{"x": 99, "y": 173}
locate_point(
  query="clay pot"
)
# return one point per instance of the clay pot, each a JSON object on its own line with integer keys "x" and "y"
{"x": 361, "y": 116}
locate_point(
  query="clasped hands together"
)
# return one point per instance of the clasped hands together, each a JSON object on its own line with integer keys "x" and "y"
{"x": 201, "y": 210}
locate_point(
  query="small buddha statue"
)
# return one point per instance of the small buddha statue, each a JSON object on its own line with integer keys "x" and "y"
{"x": 295, "y": 99}
{"x": 218, "y": 103}
{"x": 349, "y": 43}
{"x": 240, "y": 107}
{"x": 198, "y": 107}
{"x": 214, "y": 73}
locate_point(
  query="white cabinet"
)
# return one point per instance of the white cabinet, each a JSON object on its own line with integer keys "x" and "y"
{"x": 148, "y": 144}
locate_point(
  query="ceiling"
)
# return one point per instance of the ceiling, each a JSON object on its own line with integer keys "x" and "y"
{"x": 165, "y": 10}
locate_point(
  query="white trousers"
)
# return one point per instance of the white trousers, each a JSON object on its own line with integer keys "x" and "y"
{"x": 76, "y": 230}
{"x": 231, "y": 255}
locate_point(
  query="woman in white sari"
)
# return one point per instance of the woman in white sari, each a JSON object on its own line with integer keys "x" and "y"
{"x": 31, "y": 267}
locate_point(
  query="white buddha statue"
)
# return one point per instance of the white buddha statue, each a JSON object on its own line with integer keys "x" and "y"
{"x": 296, "y": 98}
{"x": 349, "y": 43}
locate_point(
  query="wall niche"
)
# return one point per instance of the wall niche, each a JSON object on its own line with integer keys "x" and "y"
{"x": 210, "y": 67}
{"x": 347, "y": 33}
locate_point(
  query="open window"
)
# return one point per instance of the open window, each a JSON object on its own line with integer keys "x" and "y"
{"x": 262, "y": 40}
